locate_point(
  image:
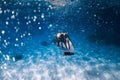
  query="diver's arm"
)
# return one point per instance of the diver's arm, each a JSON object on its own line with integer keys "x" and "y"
{"x": 58, "y": 43}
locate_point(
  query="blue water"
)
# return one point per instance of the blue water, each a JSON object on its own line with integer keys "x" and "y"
{"x": 27, "y": 33}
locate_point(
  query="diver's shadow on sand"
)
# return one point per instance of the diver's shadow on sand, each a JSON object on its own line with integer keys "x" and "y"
{"x": 44, "y": 43}
{"x": 47, "y": 43}
{"x": 18, "y": 57}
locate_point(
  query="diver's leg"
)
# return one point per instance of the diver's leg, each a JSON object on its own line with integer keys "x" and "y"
{"x": 69, "y": 44}
{"x": 62, "y": 45}
{"x": 65, "y": 44}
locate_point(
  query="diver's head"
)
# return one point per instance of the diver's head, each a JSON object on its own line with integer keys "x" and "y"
{"x": 58, "y": 35}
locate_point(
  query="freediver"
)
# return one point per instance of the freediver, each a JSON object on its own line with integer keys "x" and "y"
{"x": 63, "y": 41}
